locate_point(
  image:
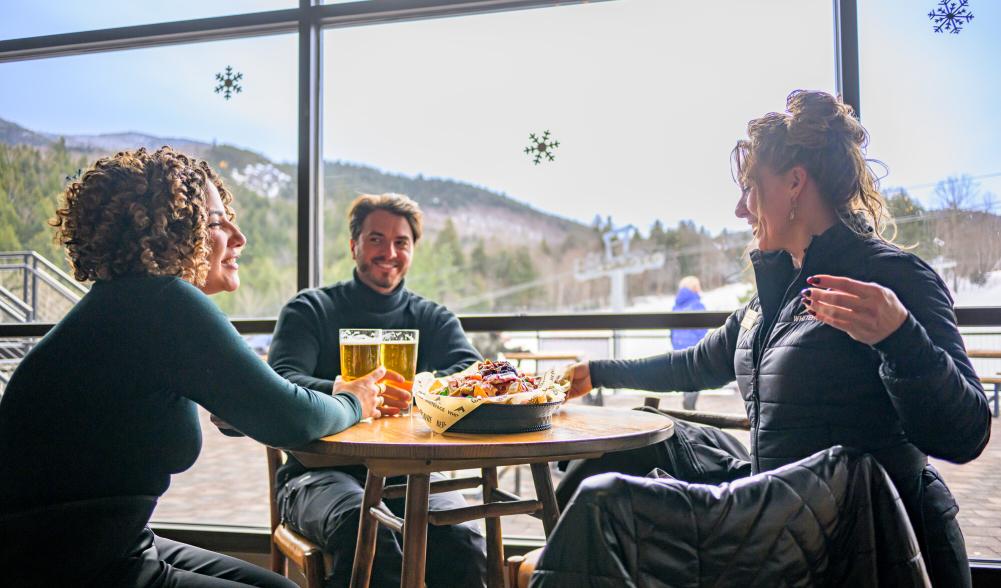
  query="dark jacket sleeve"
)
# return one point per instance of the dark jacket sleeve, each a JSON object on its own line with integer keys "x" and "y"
{"x": 930, "y": 380}
{"x": 212, "y": 365}
{"x": 709, "y": 364}
{"x": 296, "y": 344}
{"x": 452, "y": 351}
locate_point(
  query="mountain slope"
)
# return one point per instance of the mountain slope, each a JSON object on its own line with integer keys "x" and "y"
{"x": 476, "y": 212}
{"x": 12, "y": 133}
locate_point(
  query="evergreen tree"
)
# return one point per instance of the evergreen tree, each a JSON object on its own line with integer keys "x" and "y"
{"x": 479, "y": 262}
{"x": 657, "y": 232}
{"x": 447, "y": 244}
{"x": 912, "y": 228}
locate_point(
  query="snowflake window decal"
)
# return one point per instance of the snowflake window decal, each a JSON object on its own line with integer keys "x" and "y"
{"x": 949, "y": 17}
{"x": 542, "y": 147}
{"x": 228, "y": 83}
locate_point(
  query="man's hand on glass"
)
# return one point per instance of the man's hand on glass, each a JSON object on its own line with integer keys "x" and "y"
{"x": 376, "y": 393}
{"x": 396, "y": 398}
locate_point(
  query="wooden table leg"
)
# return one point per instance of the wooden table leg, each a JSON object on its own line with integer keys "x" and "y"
{"x": 361, "y": 570}
{"x": 547, "y": 495}
{"x": 495, "y": 539}
{"x": 415, "y": 530}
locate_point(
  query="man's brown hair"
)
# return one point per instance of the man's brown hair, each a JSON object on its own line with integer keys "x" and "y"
{"x": 397, "y": 204}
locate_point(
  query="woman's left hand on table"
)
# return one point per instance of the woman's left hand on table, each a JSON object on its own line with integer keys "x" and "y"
{"x": 866, "y": 311}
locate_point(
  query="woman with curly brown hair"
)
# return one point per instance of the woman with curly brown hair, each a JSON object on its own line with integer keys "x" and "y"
{"x": 849, "y": 341}
{"x": 102, "y": 412}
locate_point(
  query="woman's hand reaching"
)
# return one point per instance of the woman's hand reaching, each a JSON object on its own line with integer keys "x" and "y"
{"x": 579, "y": 375}
{"x": 866, "y": 311}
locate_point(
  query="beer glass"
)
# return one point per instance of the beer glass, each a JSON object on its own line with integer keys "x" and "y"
{"x": 399, "y": 354}
{"x": 359, "y": 352}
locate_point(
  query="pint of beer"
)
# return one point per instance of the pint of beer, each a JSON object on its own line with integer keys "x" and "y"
{"x": 399, "y": 354}
{"x": 359, "y": 352}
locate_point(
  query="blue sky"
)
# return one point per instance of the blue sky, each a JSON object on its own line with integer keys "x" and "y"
{"x": 646, "y": 101}
{"x": 930, "y": 101}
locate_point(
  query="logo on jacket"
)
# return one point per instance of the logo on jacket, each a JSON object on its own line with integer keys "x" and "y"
{"x": 803, "y": 315}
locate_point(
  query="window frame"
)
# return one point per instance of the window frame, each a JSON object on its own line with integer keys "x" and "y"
{"x": 308, "y": 21}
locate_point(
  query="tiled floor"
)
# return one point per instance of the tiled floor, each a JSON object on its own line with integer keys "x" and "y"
{"x": 228, "y": 484}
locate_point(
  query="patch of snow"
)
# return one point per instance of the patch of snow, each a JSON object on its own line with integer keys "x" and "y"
{"x": 970, "y": 294}
{"x": 724, "y": 298}
{"x": 263, "y": 178}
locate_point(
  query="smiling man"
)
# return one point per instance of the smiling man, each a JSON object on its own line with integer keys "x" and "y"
{"x": 324, "y": 505}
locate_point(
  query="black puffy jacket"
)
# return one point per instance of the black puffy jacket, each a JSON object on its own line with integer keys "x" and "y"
{"x": 832, "y": 519}
{"x": 808, "y": 386}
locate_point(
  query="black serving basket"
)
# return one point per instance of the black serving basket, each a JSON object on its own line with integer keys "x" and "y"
{"x": 507, "y": 418}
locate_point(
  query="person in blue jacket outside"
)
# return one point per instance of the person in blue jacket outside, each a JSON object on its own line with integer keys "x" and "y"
{"x": 689, "y": 299}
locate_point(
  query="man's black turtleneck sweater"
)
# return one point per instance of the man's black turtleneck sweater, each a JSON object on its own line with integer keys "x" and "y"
{"x": 306, "y": 350}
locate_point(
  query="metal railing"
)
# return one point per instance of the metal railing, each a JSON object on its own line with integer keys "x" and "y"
{"x": 35, "y": 271}
{"x": 12, "y": 351}
{"x": 14, "y": 307}
{"x": 23, "y": 275}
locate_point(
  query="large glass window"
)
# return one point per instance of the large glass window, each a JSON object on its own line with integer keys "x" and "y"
{"x": 443, "y": 110}
{"x": 639, "y": 191}
{"x": 24, "y": 18}
{"x": 928, "y": 100}
{"x": 59, "y": 115}
{"x": 637, "y": 104}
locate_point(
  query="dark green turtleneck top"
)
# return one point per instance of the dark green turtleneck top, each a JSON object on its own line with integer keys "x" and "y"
{"x": 104, "y": 404}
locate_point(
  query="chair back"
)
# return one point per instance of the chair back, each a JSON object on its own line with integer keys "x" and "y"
{"x": 286, "y": 544}
{"x": 713, "y": 419}
{"x": 275, "y": 459}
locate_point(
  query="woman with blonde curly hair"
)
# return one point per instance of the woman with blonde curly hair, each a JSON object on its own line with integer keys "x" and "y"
{"x": 849, "y": 341}
{"x": 101, "y": 412}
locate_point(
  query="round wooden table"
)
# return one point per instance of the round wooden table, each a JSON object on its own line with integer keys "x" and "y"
{"x": 406, "y": 446}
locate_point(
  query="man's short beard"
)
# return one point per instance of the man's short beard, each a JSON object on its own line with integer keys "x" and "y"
{"x": 365, "y": 269}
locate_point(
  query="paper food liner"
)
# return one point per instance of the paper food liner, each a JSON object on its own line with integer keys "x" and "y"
{"x": 441, "y": 412}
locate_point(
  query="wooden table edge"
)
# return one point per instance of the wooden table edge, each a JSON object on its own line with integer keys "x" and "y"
{"x": 355, "y": 452}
